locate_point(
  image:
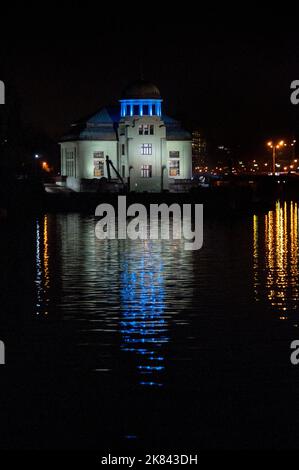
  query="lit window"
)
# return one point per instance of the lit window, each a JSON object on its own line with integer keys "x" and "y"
{"x": 174, "y": 168}
{"x": 146, "y": 171}
{"x": 146, "y": 149}
{"x": 98, "y": 164}
{"x": 174, "y": 154}
{"x": 98, "y": 168}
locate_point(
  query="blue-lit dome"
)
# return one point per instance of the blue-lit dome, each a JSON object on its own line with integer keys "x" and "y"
{"x": 141, "y": 98}
{"x": 141, "y": 90}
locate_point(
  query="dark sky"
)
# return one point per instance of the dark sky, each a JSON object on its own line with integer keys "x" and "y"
{"x": 235, "y": 85}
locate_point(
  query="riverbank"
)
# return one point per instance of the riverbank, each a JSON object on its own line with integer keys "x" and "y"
{"x": 235, "y": 195}
{"x": 220, "y": 200}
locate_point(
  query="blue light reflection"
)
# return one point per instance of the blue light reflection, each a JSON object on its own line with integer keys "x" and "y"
{"x": 143, "y": 328}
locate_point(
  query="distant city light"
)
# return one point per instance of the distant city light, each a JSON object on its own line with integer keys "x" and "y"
{"x": 45, "y": 166}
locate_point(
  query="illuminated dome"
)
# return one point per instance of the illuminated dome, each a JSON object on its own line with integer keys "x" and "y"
{"x": 141, "y": 90}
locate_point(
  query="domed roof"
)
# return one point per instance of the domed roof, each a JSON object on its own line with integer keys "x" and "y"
{"x": 141, "y": 89}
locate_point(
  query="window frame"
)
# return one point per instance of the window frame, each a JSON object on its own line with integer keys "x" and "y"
{"x": 70, "y": 163}
{"x": 98, "y": 160}
{"x": 174, "y": 164}
{"x": 146, "y": 171}
{"x": 101, "y": 169}
{"x": 146, "y": 149}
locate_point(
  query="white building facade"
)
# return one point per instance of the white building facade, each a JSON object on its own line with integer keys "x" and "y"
{"x": 149, "y": 150}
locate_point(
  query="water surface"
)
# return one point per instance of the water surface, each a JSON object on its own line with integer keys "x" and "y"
{"x": 124, "y": 344}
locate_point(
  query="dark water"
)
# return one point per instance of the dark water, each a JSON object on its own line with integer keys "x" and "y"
{"x": 141, "y": 344}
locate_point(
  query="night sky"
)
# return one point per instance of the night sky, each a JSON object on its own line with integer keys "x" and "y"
{"x": 233, "y": 85}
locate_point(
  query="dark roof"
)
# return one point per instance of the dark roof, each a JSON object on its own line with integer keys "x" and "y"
{"x": 174, "y": 129}
{"x": 103, "y": 125}
{"x": 99, "y": 126}
{"x": 141, "y": 89}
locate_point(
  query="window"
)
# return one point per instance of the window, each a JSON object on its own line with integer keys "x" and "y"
{"x": 98, "y": 155}
{"x": 174, "y": 154}
{"x": 174, "y": 168}
{"x": 146, "y": 171}
{"x": 146, "y": 129}
{"x": 146, "y": 149}
{"x": 98, "y": 164}
{"x": 70, "y": 167}
{"x": 123, "y": 149}
{"x": 123, "y": 171}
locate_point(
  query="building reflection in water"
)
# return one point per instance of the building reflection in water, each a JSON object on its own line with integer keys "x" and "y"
{"x": 144, "y": 326}
{"x": 42, "y": 279}
{"x": 275, "y": 258}
{"x": 111, "y": 290}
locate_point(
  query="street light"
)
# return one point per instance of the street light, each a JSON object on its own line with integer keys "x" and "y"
{"x": 293, "y": 145}
{"x": 36, "y": 165}
{"x": 275, "y": 147}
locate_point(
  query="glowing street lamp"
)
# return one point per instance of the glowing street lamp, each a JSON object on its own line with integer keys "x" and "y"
{"x": 275, "y": 147}
{"x": 293, "y": 145}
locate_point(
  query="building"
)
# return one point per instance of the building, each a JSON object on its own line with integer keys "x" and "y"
{"x": 199, "y": 151}
{"x": 148, "y": 149}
